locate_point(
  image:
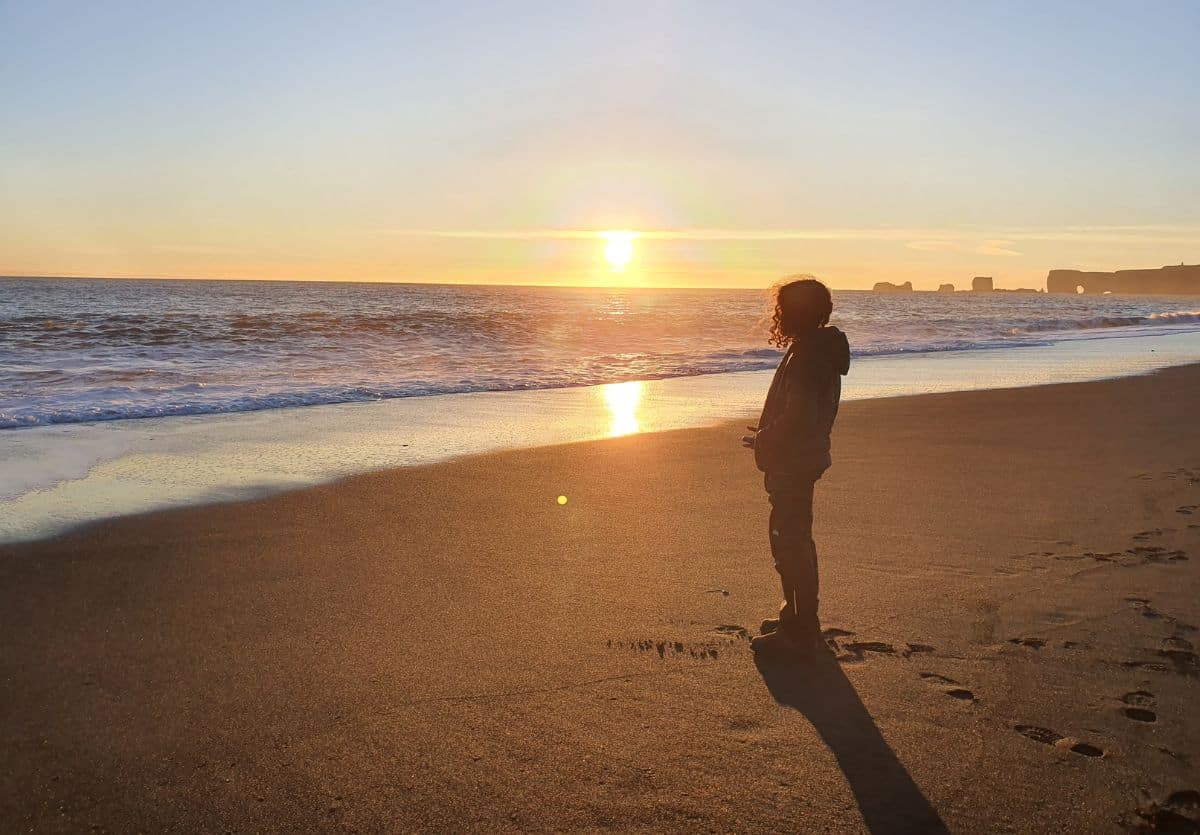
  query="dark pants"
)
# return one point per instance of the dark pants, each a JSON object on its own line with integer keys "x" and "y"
{"x": 794, "y": 551}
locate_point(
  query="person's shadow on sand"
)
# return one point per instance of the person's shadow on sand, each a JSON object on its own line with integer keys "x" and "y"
{"x": 887, "y": 797}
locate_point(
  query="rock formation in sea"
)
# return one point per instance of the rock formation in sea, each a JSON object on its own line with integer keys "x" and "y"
{"x": 982, "y": 284}
{"x": 888, "y": 287}
{"x": 1177, "y": 280}
{"x": 945, "y": 288}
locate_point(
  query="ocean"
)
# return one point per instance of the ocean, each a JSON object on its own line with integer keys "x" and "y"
{"x": 80, "y": 350}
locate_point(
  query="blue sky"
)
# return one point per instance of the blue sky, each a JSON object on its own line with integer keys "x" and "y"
{"x": 486, "y": 142}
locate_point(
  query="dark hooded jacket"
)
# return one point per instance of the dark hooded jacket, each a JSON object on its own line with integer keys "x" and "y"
{"x": 793, "y": 432}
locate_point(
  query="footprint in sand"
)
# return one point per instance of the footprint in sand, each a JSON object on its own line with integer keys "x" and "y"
{"x": 855, "y": 652}
{"x": 733, "y": 630}
{"x": 1096, "y": 556}
{"x": 1148, "y": 611}
{"x": 834, "y": 632}
{"x": 859, "y": 649}
{"x": 1149, "y": 666}
{"x": 1032, "y": 643}
{"x": 1138, "y": 704}
{"x": 1180, "y": 812}
{"x": 743, "y": 723}
{"x": 701, "y": 652}
{"x": 936, "y": 677}
{"x": 951, "y": 687}
{"x": 1175, "y": 755}
{"x": 1179, "y": 653}
{"x": 831, "y": 635}
{"x": 1140, "y": 698}
{"x": 1143, "y": 607}
{"x": 1049, "y": 737}
{"x": 1131, "y": 557}
{"x": 1042, "y": 735}
{"x": 1146, "y": 554}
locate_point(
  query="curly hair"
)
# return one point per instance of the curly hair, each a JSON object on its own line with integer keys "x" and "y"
{"x": 800, "y": 303}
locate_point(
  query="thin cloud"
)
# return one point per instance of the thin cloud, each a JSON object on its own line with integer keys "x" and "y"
{"x": 194, "y": 249}
{"x": 990, "y": 247}
{"x": 1001, "y": 247}
{"x": 991, "y": 240}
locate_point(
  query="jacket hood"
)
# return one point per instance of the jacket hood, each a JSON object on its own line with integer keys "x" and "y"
{"x": 831, "y": 345}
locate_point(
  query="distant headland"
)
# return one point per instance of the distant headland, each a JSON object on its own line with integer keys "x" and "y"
{"x": 1178, "y": 280}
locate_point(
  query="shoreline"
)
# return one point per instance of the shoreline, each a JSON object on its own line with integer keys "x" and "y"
{"x": 446, "y": 647}
{"x": 57, "y": 477}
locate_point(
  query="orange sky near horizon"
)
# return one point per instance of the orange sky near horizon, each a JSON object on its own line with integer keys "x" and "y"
{"x": 844, "y": 258}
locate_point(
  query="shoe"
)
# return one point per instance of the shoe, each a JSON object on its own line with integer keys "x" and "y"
{"x": 771, "y": 624}
{"x": 782, "y": 642}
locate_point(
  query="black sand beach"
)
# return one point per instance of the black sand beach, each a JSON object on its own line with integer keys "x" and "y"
{"x": 1009, "y": 578}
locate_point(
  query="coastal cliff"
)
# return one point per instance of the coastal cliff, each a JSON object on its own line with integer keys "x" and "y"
{"x": 1176, "y": 280}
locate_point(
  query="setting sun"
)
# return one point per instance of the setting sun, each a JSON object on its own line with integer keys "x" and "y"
{"x": 618, "y": 249}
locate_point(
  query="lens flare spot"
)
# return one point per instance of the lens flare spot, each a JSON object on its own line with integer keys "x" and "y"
{"x": 562, "y": 499}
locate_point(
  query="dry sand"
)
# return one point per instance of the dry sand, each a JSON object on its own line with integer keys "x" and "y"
{"x": 1012, "y": 577}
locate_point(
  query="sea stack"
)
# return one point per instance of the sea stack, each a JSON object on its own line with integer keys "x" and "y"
{"x": 982, "y": 284}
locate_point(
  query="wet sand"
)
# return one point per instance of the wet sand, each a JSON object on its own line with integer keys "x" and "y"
{"x": 1010, "y": 580}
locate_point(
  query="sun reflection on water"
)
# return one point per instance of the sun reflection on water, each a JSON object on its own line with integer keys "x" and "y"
{"x": 622, "y": 400}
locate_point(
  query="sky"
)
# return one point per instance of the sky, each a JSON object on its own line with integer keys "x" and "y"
{"x": 493, "y": 142}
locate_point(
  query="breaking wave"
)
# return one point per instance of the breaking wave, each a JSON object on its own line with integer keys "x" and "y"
{"x": 1172, "y": 317}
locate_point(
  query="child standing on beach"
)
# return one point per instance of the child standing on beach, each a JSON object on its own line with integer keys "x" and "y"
{"x": 791, "y": 447}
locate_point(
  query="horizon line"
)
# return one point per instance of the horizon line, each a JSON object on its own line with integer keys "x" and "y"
{"x": 766, "y": 287}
